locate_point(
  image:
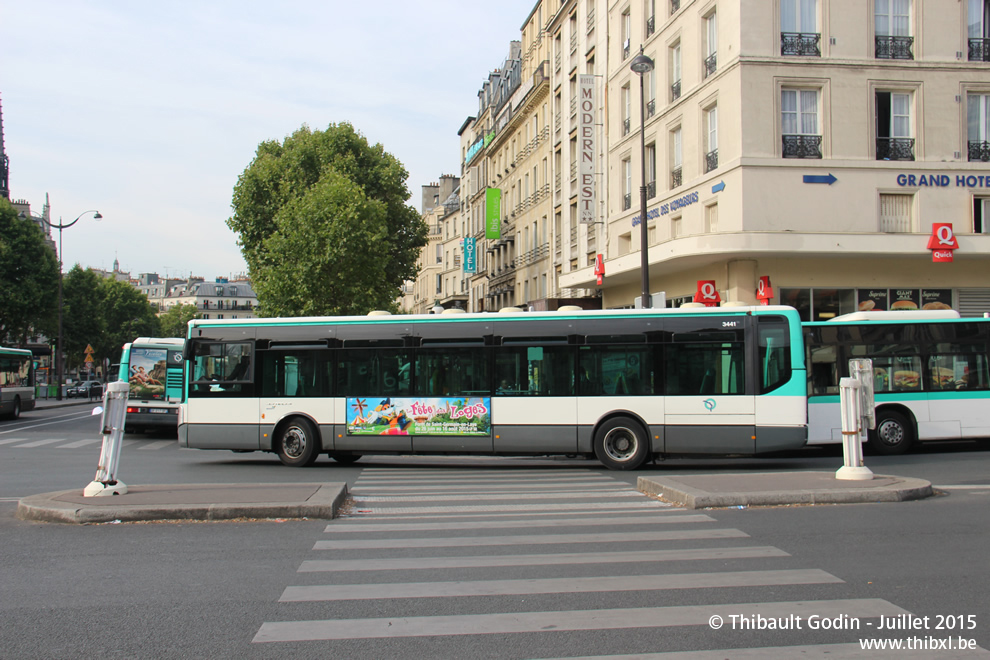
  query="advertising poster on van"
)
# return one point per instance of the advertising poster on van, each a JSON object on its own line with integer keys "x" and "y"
{"x": 147, "y": 373}
{"x": 452, "y": 416}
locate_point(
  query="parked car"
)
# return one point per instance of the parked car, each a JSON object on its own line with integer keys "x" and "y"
{"x": 89, "y": 389}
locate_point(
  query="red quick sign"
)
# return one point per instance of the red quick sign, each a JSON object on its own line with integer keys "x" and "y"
{"x": 942, "y": 242}
{"x": 707, "y": 293}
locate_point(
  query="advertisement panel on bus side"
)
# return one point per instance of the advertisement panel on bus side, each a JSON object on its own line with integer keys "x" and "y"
{"x": 453, "y": 416}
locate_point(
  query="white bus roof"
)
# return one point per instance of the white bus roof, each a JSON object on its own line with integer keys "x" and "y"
{"x": 910, "y": 315}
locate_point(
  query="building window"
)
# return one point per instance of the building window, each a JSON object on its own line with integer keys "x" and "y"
{"x": 894, "y": 141}
{"x": 893, "y": 40}
{"x": 675, "y": 72}
{"x": 651, "y": 17}
{"x": 674, "y": 6}
{"x": 626, "y": 34}
{"x": 981, "y": 215}
{"x": 978, "y": 126}
{"x": 675, "y": 158}
{"x": 711, "y": 45}
{"x": 711, "y": 218}
{"x": 799, "y": 33}
{"x": 799, "y": 123}
{"x": 675, "y": 227}
{"x": 895, "y": 213}
{"x": 651, "y": 93}
{"x": 651, "y": 171}
{"x": 626, "y": 184}
{"x": 625, "y": 244}
{"x": 711, "y": 138}
{"x": 626, "y": 109}
{"x": 979, "y": 30}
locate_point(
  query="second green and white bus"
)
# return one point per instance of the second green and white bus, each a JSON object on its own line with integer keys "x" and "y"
{"x": 153, "y": 367}
{"x": 16, "y": 381}
{"x": 625, "y": 386}
{"x": 931, "y": 375}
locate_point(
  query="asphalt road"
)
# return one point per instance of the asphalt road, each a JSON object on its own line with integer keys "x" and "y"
{"x": 478, "y": 557}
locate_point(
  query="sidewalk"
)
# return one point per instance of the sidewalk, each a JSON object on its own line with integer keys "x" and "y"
{"x": 188, "y": 502}
{"x": 781, "y": 488}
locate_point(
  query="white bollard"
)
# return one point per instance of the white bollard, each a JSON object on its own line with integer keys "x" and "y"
{"x": 852, "y": 432}
{"x": 114, "y": 413}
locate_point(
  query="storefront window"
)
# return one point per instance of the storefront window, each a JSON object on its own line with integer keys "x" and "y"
{"x": 819, "y": 304}
{"x": 799, "y": 299}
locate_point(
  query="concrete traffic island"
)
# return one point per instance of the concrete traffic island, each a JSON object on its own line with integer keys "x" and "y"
{"x": 188, "y": 502}
{"x": 781, "y": 488}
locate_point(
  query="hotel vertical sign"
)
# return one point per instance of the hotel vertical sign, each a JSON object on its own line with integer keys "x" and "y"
{"x": 493, "y": 214}
{"x": 586, "y": 149}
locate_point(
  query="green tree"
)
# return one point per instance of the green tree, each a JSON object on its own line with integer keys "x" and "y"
{"x": 175, "y": 321}
{"x": 324, "y": 226}
{"x": 28, "y": 280}
{"x": 128, "y": 315}
{"x": 83, "y": 319}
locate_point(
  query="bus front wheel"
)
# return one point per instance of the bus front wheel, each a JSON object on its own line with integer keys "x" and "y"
{"x": 621, "y": 444}
{"x": 298, "y": 445}
{"x": 893, "y": 434}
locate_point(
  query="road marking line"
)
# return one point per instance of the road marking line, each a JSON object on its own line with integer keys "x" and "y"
{"x": 358, "y": 526}
{"x": 427, "y": 497}
{"x": 568, "y": 585}
{"x": 158, "y": 444}
{"x": 555, "y": 559}
{"x": 584, "y": 620}
{"x": 80, "y": 443}
{"x": 39, "y": 443}
{"x": 560, "y": 506}
{"x": 529, "y": 539}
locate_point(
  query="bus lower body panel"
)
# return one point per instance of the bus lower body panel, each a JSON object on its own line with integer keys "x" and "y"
{"x": 141, "y": 416}
{"x": 220, "y": 436}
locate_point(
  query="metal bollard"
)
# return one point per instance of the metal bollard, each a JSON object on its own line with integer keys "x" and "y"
{"x": 114, "y": 413}
{"x": 853, "y": 432}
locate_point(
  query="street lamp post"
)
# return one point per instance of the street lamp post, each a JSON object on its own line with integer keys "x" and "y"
{"x": 642, "y": 65}
{"x": 59, "y": 363}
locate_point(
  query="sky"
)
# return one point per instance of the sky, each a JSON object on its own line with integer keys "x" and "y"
{"x": 149, "y": 112}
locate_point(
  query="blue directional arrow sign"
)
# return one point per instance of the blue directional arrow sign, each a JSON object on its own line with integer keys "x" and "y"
{"x": 718, "y": 187}
{"x": 820, "y": 178}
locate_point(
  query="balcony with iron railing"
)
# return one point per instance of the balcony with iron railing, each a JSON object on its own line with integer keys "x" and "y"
{"x": 893, "y": 48}
{"x": 898, "y": 148}
{"x": 805, "y": 44}
{"x": 979, "y": 151}
{"x": 591, "y": 17}
{"x": 651, "y": 25}
{"x": 711, "y": 160}
{"x": 536, "y": 254}
{"x": 651, "y": 108}
{"x": 625, "y": 49}
{"x": 802, "y": 146}
{"x": 625, "y": 126}
{"x": 574, "y": 238}
{"x": 627, "y": 201}
{"x": 651, "y": 189}
{"x": 675, "y": 177}
{"x": 979, "y": 50}
{"x": 674, "y": 6}
{"x": 675, "y": 91}
{"x": 710, "y": 65}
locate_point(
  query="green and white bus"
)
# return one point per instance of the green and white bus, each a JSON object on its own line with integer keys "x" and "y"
{"x": 931, "y": 378}
{"x": 625, "y": 386}
{"x": 153, "y": 367}
{"x": 16, "y": 381}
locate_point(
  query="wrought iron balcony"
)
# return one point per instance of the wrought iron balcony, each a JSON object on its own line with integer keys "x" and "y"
{"x": 675, "y": 91}
{"x": 675, "y": 178}
{"x": 627, "y": 201}
{"x": 895, "y": 148}
{"x": 651, "y": 25}
{"x": 651, "y": 108}
{"x": 625, "y": 50}
{"x": 625, "y": 126}
{"x": 651, "y": 189}
{"x": 802, "y": 146}
{"x": 979, "y": 151}
{"x": 711, "y": 63}
{"x": 711, "y": 160}
{"x": 893, "y": 48}
{"x": 806, "y": 44}
{"x": 674, "y": 5}
{"x": 979, "y": 50}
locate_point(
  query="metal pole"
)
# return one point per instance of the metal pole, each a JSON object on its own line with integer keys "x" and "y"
{"x": 58, "y": 346}
{"x": 643, "y": 230}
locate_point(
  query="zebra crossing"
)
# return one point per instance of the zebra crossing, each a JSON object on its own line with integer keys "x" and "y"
{"x": 68, "y": 443}
{"x": 530, "y": 563}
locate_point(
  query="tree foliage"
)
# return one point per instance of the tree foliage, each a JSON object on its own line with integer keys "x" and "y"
{"x": 28, "y": 280}
{"x": 175, "y": 321}
{"x": 128, "y": 315}
{"x": 83, "y": 321}
{"x": 324, "y": 226}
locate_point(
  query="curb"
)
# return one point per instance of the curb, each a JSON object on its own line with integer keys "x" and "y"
{"x": 902, "y": 489}
{"x": 59, "y": 507}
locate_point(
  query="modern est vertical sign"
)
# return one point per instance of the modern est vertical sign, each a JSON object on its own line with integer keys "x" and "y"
{"x": 586, "y": 149}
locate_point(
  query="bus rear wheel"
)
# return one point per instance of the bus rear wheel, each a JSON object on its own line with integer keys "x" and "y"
{"x": 298, "y": 445}
{"x": 344, "y": 458}
{"x": 16, "y": 412}
{"x": 893, "y": 434}
{"x": 621, "y": 444}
